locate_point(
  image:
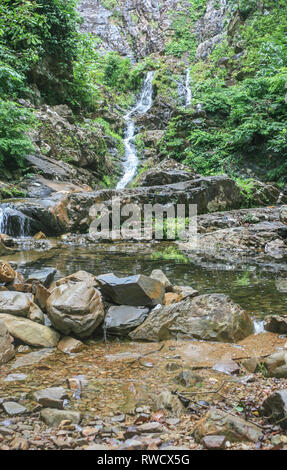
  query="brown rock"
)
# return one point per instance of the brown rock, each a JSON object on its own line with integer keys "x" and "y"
{"x": 39, "y": 236}
{"x": 70, "y": 345}
{"x": 171, "y": 298}
{"x": 19, "y": 444}
{"x": 7, "y": 273}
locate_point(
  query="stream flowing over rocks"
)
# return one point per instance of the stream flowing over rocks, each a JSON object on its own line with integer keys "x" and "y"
{"x": 128, "y": 344}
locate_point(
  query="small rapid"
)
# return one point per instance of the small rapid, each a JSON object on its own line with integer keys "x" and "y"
{"x": 188, "y": 89}
{"x": 13, "y": 222}
{"x": 141, "y": 107}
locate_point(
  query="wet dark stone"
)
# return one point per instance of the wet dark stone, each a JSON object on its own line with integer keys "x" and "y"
{"x": 122, "y": 319}
{"x": 132, "y": 290}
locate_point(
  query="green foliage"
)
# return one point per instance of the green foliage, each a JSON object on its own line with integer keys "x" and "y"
{"x": 245, "y": 118}
{"x": 184, "y": 37}
{"x": 14, "y": 143}
{"x": 171, "y": 253}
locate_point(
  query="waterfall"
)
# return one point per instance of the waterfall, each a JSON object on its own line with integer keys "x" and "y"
{"x": 188, "y": 89}
{"x": 142, "y": 106}
{"x": 13, "y": 222}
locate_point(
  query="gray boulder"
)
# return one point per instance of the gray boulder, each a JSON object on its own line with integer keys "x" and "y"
{"x": 30, "y": 332}
{"x": 217, "y": 422}
{"x": 44, "y": 276}
{"x": 276, "y": 324}
{"x": 75, "y": 308}
{"x": 276, "y": 364}
{"x": 136, "y": 290}
{"x": 53, "y": 417}
{"x": 51, "y": 397}
{"x": 7, "y": 351}
{"x": 211, "y": 317}
{"x": 120, "y": 320}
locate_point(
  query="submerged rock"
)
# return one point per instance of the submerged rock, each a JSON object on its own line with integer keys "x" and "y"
{"x": 275, "y": 408}
{"x": 211, "y": 317}
{"x": 122, "y": 319}
{"x": 232, "y": 427}
{"x": 32, "y": 358}
{"x": 30, "y": 332}
{"x": 7, "y": 351}
{"x": 53, "y": 417}
{"x": 12, "y": 408}
{"x": 132, "y": 290}
{"x": 51, "y": 397}
{"x": 75, "y": 308}
{"x": 70, "y": 345}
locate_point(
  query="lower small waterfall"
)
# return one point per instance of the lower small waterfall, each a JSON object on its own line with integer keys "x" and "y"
{"x": 13, "y": 222}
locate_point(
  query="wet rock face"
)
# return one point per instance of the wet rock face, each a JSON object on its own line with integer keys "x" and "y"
{"x": 122, "y": 319}
{"x": 75, "y": 308}
{"x": 232, "y": 427}
{"x": 30, "y": 332}
{"x": 275, "y": 407}
{"x": 210, "y": 28}
{"x": 133, "y": 290}
{"x": 60, "y": 136}
{"x": 166, "y": 172}
{"x": 211, "y": 317}
{"x": 7, "y": 351}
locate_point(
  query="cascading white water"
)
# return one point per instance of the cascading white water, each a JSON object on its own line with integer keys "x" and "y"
{"x": 188, "y": 89}
{"x": 142, "y": 106}
{"x": 13, "y": 222}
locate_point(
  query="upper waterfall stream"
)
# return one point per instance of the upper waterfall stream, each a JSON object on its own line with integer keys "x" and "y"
{"x": 141, "y": 107}
{"x": 188, "y": 89}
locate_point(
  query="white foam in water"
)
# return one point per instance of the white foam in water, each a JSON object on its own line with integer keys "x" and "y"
{"x": 142, "y": 106}
{"x": 13, "y": 222}
{"x": 188, "y": 89}
{"x": 259, "y": 326}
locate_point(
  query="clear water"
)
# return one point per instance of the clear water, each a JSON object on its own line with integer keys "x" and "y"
{"x": 142, "y": 106}
{"x": 260, "y": 293}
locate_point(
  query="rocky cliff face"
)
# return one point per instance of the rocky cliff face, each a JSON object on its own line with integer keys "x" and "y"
{"x": 135, "y": 29}
{"x": 139, "y": 28}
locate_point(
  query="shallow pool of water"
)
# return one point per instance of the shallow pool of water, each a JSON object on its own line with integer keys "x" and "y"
{"x": 260, "y": 293}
